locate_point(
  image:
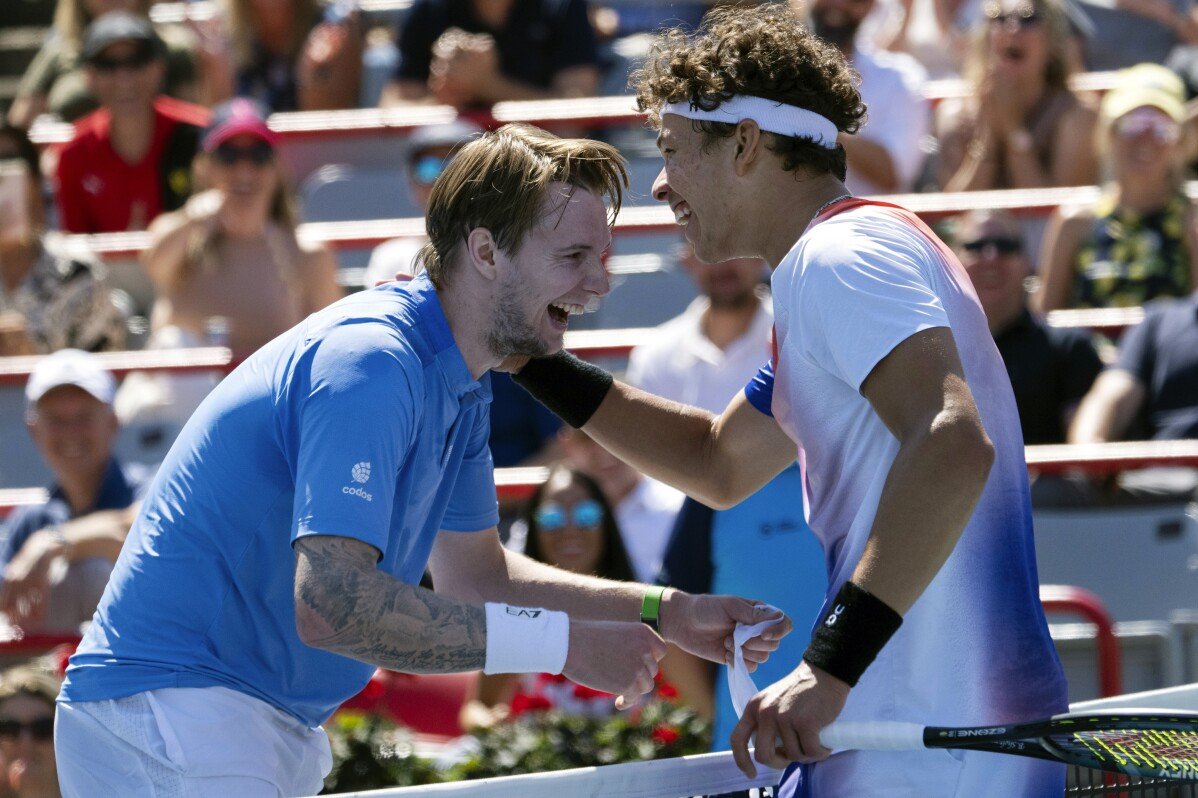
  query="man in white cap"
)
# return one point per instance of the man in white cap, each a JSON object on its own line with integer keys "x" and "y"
{"x": 56, "y": 556}
{"x": 886, "y": 378}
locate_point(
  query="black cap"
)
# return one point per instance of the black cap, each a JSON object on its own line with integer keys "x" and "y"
{"x": 119, "y": 26}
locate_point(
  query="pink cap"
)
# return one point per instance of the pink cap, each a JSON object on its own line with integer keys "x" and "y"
{"x": 239, "y": 116}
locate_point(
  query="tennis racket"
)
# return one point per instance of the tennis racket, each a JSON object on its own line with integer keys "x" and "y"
{"x": 1151, "y": 743}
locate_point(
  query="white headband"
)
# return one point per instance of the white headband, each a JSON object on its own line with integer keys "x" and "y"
{"x": 770, "y": 115}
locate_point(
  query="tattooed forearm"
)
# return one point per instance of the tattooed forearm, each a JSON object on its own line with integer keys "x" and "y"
{"x": 344, "y": 604}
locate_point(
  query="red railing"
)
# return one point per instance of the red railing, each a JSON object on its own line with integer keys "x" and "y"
{"x": 1082, "y": 603}
{"x": 641, "y": 219}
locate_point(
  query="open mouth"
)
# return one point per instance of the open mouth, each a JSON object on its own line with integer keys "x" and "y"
{"x": 561, "y": 312}
{"x": 682, "y": 213}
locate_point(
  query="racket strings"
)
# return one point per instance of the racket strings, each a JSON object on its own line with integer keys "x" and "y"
{"x": 1164, "y": 751}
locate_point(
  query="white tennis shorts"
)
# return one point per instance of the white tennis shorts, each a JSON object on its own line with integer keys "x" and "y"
{"x": 209, "y": 742}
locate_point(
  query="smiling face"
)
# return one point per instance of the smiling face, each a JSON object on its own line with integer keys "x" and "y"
{"x": 556, "y": 272}
{"x": 126, "y": 76}
{"x": 73, "y": 430}
{"x": 694, "y": 182}
{"x": 569, "y": 526}
{"x": 990, "y": 247}
{"x": 1145, "y": 142}
{"x": 244, "y": 168}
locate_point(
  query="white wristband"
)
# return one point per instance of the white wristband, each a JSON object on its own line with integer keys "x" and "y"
{"x": 525, "y": 639}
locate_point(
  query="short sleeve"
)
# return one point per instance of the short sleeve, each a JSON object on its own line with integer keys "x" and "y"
{"x": 416, "y": 37}
{"x": 862, "y": 295}
{"x": 355, "y": 416}
{"x": 473, "y": 505}
{"x": 760, "y": 390}
{"x": 575, "y": 44}
{"x": 1137, "y": 349}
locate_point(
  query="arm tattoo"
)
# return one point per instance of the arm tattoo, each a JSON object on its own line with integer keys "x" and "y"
{"x": 344, "y": 604}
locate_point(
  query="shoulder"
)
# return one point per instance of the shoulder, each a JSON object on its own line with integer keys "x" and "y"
{"x": 88, "y": 132}
{"x": 890, "y": 67}
{"x": 181, "y": 112}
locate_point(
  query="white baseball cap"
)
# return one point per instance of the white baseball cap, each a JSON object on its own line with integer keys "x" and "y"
{"x": 70, "y": 367}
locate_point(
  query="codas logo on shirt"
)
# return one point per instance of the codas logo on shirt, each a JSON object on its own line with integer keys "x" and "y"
{"x": 361, "y": 474}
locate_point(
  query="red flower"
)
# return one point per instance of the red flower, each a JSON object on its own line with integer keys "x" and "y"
{"x": 665, "y": 735}
{"x": 667, "y": 691}
{"x": 522, "y": 702}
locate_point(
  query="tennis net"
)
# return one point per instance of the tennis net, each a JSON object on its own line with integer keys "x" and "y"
{"x": 717, "y": 775}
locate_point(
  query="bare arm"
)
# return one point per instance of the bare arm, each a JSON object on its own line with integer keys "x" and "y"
{"x": 344, "y": 604}
{"x": 944, "y": 458}
{"x": 320, "y": 279}
{"x": 475, "y": 567}
{"x": 719, "y": 460}
{"x": 579, "y": 81}
{"x": 1062, "y": 239}
{"x": 1106, "y": 412}
{"x": 1074, "y": 162}
{"x": 871, "y": 160}
{"x": 169, "y": 235}
{"x": 407, "y": 92}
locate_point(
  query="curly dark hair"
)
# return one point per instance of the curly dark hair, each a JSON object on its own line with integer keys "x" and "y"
{"x": 764, "y": 51}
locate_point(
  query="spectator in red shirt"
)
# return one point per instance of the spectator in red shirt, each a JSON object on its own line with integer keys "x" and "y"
{"x": 130, "y": 160}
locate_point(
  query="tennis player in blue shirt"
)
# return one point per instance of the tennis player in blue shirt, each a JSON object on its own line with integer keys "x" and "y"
{"x": 275, "y": 561}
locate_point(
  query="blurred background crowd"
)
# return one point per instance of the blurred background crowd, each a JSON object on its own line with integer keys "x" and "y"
{"x": 171, "y": 119}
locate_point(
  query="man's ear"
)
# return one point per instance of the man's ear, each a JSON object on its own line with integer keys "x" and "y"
{"x": 749, "y": 141}
{"x": 481, "y": 251}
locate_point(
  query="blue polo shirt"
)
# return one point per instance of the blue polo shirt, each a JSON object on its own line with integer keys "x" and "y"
{"x": 363, "y": 421}
{"x": 120, "y": 487}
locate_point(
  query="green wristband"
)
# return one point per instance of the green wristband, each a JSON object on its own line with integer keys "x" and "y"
{"x": 651, "y": 607}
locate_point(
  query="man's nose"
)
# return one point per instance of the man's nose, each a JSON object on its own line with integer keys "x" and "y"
{"x": 661, "y": 187}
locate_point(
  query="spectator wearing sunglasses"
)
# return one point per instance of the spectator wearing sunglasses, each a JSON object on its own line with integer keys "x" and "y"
{"x": 231, "y": 257}
{"x": 429, "y": 151}
{"x": 27, "y": 764}
{"x": 1138, "y": 242}
{"x": 1022, "y": 126}
{"x": 569, "y": 525}
{"x": 131, "y": 159}
{"x": 1051, "y": 368}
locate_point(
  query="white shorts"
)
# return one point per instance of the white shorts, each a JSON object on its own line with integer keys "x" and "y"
{"x": 187, "y": 742}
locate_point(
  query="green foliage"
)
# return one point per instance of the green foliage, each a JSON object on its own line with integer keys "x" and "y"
{"x": 370, "y": 752}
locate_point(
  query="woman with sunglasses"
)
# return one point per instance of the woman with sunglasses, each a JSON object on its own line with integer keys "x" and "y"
{"x": 55, "y": 82}
{"x": 27, "y": 764}
{"x": 1137, "y": 243}
{"x": 231, "y": 258}
{"x": 1022, "y": 127}
{"x": 571, "y": 526}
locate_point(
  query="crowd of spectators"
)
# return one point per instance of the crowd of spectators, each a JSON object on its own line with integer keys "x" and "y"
{"x": 171, "y": 136}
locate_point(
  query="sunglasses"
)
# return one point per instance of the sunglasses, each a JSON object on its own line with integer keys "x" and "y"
{"x": 258, "y": 154}
{"x": 1146, "y": 121}
{"x": 1020, "y": 18}
{"x": 551, "y": 516}
{"x": 428, "y": 168}
{"x": 41, "y": 729}
{"x": 138, "y": 60}
{"x": 1004, "y": 245}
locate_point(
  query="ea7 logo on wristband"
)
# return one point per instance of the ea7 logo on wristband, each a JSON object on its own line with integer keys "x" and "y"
{"x": 522, "y": 612}
{"x": 834, "y": 616}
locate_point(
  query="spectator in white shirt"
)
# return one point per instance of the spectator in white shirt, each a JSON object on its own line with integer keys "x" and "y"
{"x": 886, "y": 155}
{"x": 704, "y": 356}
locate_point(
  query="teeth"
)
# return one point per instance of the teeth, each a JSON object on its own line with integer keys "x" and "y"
{"x": 682, "y": 212}
{"x": 568, "y": 309}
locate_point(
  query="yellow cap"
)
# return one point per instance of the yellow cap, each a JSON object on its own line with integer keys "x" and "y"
{"x": 1143, "y": 85}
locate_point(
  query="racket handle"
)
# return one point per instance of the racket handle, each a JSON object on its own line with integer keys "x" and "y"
{"x": 872, "y": 736}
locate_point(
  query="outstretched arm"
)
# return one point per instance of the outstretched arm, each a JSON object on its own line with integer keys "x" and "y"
{"x": 344, "y": 604}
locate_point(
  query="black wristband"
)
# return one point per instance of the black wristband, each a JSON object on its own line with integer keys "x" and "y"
{"x": 857, "y": 626}
{"x": 571, "y": 388}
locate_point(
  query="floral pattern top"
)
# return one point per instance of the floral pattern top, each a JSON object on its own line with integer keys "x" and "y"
{"x": 1130, "y": 259}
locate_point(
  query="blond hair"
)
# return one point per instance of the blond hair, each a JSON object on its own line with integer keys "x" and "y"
{"x": 500, "y": 181}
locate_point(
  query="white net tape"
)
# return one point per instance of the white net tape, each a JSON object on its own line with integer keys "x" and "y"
{"x": 704, "y": 774}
